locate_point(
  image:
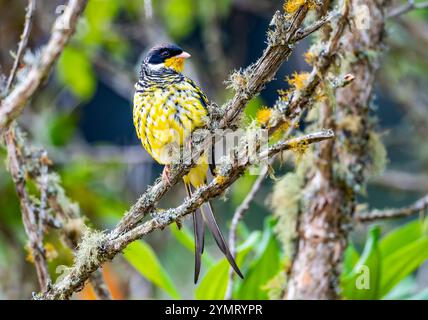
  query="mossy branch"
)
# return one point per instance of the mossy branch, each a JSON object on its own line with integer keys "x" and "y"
{"x": 406, "y": 8}
{"x": 33, "y": 224}
{"x": 64, "y": 27}
{"x": 419, "y": 207}
{"x": 23, "y": 43}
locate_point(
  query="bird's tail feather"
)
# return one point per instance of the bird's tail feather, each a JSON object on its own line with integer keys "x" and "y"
{"x": 199, "y": 232}
{"x": 205, "y": 214}
{"x": 209, "y": 219}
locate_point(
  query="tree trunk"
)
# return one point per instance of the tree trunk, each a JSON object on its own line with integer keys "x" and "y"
{"x": 342, "y": 165}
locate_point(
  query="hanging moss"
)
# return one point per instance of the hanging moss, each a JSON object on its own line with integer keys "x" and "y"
{"x": 285, "y": 201}
{"x": 237, "y": 81}
{"x": 377, "y": 153}
{"x": 275, "y": 287}
{"x": 87, "y": 251}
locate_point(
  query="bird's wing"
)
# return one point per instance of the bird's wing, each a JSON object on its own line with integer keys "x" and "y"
{"x": 198, "y": 91}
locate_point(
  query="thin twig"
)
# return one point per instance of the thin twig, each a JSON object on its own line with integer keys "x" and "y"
{"x": 43, "y": 188}
{"x": 22, "y": 43}
{"x": 100, "y": 287}
{"x": 409, "y": 6}
{"x": 148, "y": 9}
{"x": 63, "y": 29}
{"x": 33, "y": 223}
{"x": 418, "y": 207}
{"x": 303, "y": 33}
{"x": 31, "y": 220}
{"x": 237, "y": 217}
{"x": 403, "y": 181}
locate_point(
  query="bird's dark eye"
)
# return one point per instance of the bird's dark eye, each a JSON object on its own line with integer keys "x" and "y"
{"x": 164, "y": 53}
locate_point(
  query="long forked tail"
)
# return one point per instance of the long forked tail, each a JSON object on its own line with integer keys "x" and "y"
{"x": 207, "y": 216}
{"x": 199, "y": 232}
{"x": 209, "y": 219}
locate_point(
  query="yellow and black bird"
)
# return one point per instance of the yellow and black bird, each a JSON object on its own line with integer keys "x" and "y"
{"x": 168, "y": 107}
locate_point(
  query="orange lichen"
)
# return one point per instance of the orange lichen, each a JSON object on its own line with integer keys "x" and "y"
{"x": 298, "y": 80}
{"x": 309, "y": 57}
{"x": 311, "y": 4}
{"x": 263, "y": 116}
{"x": 50, "y": 252}
{"x": 320, "y": 96}
{"x": 291, "y": 6}
{"x": 283, "y": 94}
{"x": 277, "y": 135}
{"x": 285, "y": 126}
{"x": 30, "y": 256}
{"x": 299, "y": 148}
{"x": 220, "y": 179}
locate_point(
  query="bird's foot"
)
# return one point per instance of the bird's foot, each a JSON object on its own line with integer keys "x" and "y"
{"x": 165, "y": 175}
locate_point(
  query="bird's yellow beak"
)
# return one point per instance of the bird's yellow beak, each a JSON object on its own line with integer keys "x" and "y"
{"x": 177, "y": 62}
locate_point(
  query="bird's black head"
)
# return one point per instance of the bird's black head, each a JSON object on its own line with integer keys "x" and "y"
{"x": 168, "y": 56}
{"x": 160, "y": 53}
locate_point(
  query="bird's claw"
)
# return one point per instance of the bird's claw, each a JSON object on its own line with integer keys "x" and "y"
{"x": 165, "y": 175}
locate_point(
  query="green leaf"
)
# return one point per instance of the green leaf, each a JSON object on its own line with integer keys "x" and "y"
{"x": 133, "y": 8}
{"x": 179, "y": 17}
{"x": 75, "y": 71}
{"x": 265, "y": 265}
{"x": 241, "y": 187}
{"x": 98, "y": 31}
{"x": 99, "y": 16}
{"x": 252, "y": 107}
{"x": 401, "y": 263}
{"x": 62, "y": 128}
{"x": 362, "y": 282}
{"x": 209, "y": 9}
{"x": 142, "y": 257}
{"x": 351, "y": 259}
{"x": 185, "y": 238}
{"x": 401, "y": 236}
{"x": 214, "y": 284}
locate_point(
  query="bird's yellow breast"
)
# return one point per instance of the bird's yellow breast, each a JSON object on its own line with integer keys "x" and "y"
{"x": 164, "y": 117}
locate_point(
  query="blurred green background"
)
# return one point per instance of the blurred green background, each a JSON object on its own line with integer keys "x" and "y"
{"x": 83, "y": 117}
